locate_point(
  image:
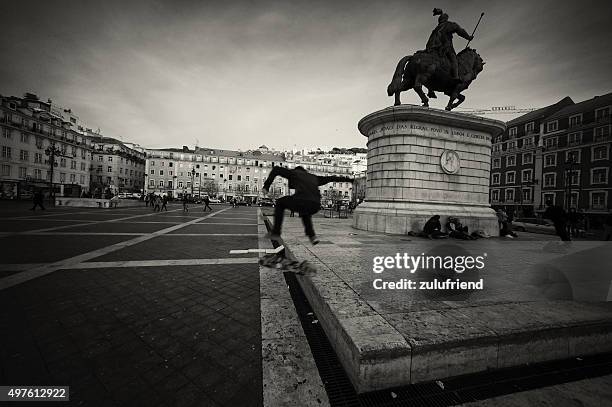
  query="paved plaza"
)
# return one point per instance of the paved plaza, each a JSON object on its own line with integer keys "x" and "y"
{"x": 132, "y": 307}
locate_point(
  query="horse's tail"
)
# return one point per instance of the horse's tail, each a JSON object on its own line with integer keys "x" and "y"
{"x": 396, "y": 82}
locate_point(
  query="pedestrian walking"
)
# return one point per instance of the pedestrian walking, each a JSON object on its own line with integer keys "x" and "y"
{"x": 157, "y": 200}
{"x": 38, "y": 201}
{"x": 306, "y": 200}
{"x": 207, "y": 203}
{"x": 559, "y": 219}
{"x": 164, "y": 203}
{"x": 146, "y": 199}
{"x": 184, "y": 200}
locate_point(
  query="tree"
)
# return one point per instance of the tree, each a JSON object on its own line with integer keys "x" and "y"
{"x": 210, "y": 187}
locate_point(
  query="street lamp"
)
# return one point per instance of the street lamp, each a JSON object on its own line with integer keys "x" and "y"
{"x": 568, "y": 179}
{"x": 192, "y": 180}
{"x": 51, "y": 152}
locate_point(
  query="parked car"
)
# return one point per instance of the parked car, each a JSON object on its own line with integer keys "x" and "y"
{"x": 534, "y": 225}
{"x": 265, "y": 202}
{"x": 215, "y": 200}
{"x": 124, "y": 195}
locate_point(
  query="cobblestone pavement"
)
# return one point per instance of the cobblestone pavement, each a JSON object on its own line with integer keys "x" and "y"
{"x": 130, "y": 307}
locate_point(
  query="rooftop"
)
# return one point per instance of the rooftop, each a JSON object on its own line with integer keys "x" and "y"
{"x": 541, "y": 113}
{"x": 586, "y": 105}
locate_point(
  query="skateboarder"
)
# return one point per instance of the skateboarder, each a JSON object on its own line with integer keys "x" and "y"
{"x": 306, "y": 200}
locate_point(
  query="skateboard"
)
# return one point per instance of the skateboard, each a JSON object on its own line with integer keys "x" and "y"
{"x": 279, "y": 261}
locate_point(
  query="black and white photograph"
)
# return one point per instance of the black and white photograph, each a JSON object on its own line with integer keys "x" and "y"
{"x": 306, "y": 203}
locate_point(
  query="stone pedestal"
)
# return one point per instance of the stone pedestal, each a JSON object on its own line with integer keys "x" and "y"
{"x": 424, "y": 162}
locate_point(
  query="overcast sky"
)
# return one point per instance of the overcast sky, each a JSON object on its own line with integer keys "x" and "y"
{"x": 238, "y": 74}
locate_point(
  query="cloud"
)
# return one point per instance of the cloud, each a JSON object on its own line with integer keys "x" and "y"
{"x": 242, "y": 74}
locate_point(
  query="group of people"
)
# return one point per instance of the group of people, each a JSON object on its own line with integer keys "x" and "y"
{"x": 454, "y": 229}
{"x": 157, "y": 202}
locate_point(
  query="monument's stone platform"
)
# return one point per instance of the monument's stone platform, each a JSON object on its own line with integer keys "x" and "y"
{"x": 423, "y": 162}
{"x": 387, "y": 338}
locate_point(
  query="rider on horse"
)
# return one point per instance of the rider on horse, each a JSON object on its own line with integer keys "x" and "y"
{"x": 441, "y": 41}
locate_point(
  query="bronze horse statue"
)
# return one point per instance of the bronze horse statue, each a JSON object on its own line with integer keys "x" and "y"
{"x": 432, "y": 71}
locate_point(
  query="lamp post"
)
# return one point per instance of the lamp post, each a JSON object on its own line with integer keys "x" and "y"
{"x": 568, "y": 179}
{"x": 51, "y": 152}
{"x": 192, "y": 180}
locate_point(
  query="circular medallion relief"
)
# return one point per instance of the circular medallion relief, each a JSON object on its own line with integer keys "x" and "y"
{"x": 449, "y": 161}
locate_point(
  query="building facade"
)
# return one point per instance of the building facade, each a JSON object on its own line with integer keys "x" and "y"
{"x": 34, "y": 132}
{"x": 213, "y": 172}
{"x": 241, "y": 174}
{"x": 116, "y": 166}
{"x": 560, "y": 154}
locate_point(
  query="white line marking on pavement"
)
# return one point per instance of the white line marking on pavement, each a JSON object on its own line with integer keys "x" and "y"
{"x": 268, "y": 251}
{"x": 28, "y": 275}
{"x": 221, "y": 223}
{"x": 161, "y": 263}
{"x": 212, "y": 234}
{"x": 87, "y": 224}
{"x": 52, "y": 233}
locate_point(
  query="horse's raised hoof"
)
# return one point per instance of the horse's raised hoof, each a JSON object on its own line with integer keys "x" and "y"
{"x": 448, "y": 108}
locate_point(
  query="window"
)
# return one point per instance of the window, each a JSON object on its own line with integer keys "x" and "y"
{"x": 25, "y": 138}
{"x": 528, "y": 141}
{"x": 510, "y": 175}
{"x": 600, "y": 153}
{"x": 550, "y": 160}
{"x": 99, "y": 168}
{"x": 550, "y": 197}
{"x": 62, "y": 177}
{"x": 527, "y": 158}
{"x": 180, "y": 184}
{"x": 72, "y": 178}
{"x": 602, "y": 114}
{"x": 495, "y": 195}
{"x": 82, "y": 179}
{"x": 550, "y": 142}
{"x": 575, "y": 121}
{"x": 239, "y": 178}
{"x": 110, "y": 158}
{"x": 598, "y": 199}
{"x": 63, "y": 162}
{"x": 152, "y": 163}
{"x": 511, "y": 161}
{"x": 6, "y": 170}
{"x": 109, "y": 169}
{"x": 6, "y": 133}
{"x": 599, "y": 175}
{"x": 527, "y": 195}
{"x": 511, "y": 145}
{"x": 550, "y": 179}
{"x": 83, "y": 167}
{"x": 509, "y": 195}
{"x": 601, "y": 133}
{"x": 230, "y": 177}
{"x": 574, "y": 177}
{"x": 23, "y": 155}
{"x": 552, "y": 126}
{"x": 526, "y": 177}
{"x": 161, "y": 182}
{"x": 572, "y": 156}
{"x": 7, "y": 152}
{"x": 100, "y": 158}
{"x": 23, "y": 172}
{"x": 38, "y": 174}
{"x": 574, "y": 138}
{"x": 152, "y": 172}
{"x": 151, "y": 182}
{"x": 512, "y": 132}
{"x": 73, "y": 165}
{"x": 161, "y": 172}
{"x": 529, "y": 127}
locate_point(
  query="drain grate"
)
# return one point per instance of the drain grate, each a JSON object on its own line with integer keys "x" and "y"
{"x": 457, "y": 390}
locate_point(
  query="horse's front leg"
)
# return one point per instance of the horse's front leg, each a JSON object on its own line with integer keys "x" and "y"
{"x": 418, "y": 88}
{"x": 397, "y": 99}
{"x": 460, "y": 98}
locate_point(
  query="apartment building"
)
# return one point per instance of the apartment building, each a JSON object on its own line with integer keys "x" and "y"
{"x": 33, "y": 131}
{"x": 116, "y": 166}
{"x": 560, "y": 153}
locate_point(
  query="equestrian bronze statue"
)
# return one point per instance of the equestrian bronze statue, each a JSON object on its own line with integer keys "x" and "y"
{"x": 438, "y": 67}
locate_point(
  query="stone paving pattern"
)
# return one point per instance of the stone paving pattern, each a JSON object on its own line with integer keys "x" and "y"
{"x": 133, "y": 336}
